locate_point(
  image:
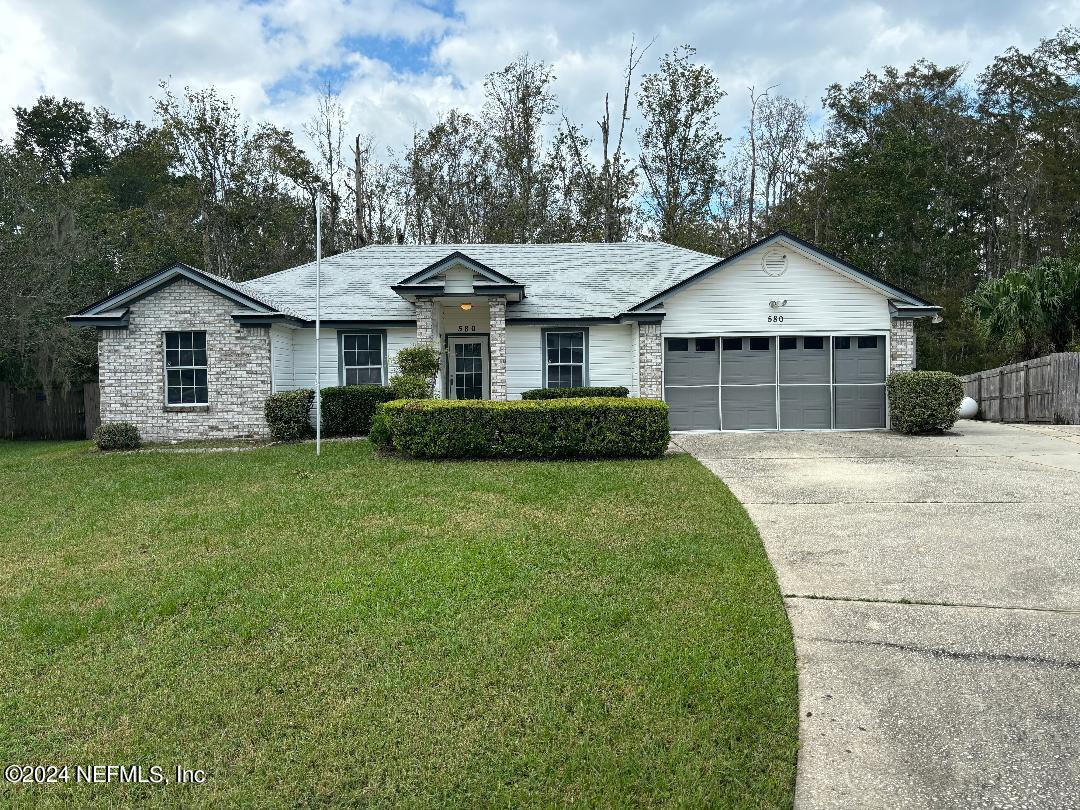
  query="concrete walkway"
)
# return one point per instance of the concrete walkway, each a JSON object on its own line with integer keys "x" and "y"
{"x": 933, "y": 586}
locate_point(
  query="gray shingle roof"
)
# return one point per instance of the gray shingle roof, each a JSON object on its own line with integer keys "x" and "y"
{"x": 570, "y": 280}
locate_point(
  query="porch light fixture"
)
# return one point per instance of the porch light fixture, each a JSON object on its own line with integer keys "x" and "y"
{"x": 466, "y": 306}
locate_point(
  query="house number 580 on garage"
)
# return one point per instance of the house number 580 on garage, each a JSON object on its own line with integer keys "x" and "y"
{"x": 776, "y": 319}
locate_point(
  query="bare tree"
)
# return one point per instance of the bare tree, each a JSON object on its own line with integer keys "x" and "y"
{"x": 613, "y": 186}
{"x": 326, "y": 129}
{"x": 781, "y": 151}
{"x": 753, "y": 141}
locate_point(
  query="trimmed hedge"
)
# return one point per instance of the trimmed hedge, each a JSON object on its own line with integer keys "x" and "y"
{"x": 117, "y": 436}
{"x": 924, "y": 401}
{"x": 576, "y": 393}
{"x": 288, "y": 415}
{"x": 609, "y": 427}
{"x": 347, "y": 409}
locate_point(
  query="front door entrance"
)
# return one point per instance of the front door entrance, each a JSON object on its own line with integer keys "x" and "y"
{"x": 467, "y": 368}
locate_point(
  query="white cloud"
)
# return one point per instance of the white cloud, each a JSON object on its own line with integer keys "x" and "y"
{"x": 271, "y": 55}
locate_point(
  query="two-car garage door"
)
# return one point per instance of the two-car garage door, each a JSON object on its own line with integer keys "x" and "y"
{"x": 767, "y": 382}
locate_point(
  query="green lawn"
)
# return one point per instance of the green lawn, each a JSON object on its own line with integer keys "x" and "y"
{"x": 379, "y": 631}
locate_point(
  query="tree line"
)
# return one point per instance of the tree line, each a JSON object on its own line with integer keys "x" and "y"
{"x": 938, "y": 183}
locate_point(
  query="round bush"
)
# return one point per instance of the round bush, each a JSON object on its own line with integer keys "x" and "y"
{"x": 422, "y": 360}
{"x": 347, "y": 409}
{"x": 924, "y": 401}
{"x": 288, "y": 415}
{"x": 117, "y": 436}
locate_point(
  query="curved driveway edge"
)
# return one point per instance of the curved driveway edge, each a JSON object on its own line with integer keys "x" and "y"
{"x": 933, "y": 586}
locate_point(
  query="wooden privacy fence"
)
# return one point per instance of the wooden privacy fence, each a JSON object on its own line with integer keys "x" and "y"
{"x": 30, "y": 414}
{"x": 1043, "y": 390}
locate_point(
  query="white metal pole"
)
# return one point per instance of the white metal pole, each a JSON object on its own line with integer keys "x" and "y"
{"x": 318, "y": 322}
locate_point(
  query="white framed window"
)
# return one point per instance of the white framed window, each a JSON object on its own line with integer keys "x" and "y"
{"x": 185, "y": 368}
{"x": 363, "y": 358}
{"x": 566, "y": 353}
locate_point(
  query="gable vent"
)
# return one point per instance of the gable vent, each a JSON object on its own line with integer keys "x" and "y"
{"x": 774, "y": 262}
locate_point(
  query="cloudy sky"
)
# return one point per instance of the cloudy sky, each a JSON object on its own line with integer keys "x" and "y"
{"x": 398, "y": 63}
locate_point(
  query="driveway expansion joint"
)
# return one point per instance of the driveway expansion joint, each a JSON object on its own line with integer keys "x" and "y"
{"x": 920, "y": 603}
{"x": 954, "y": 655}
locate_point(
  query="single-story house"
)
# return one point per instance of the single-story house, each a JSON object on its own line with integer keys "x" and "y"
{"x": 781, "y": 335}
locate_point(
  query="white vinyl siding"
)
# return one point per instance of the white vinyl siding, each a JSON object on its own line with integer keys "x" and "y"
{"x": 612, "y": 353}
{"x": 303, "y": 354}
{"x": 524, "y": 353}
{"x": 735, "y": 300}
{"x": 458, "y": 280}
{"x": 396, "y": 340}
{"x": 281, "y": 352}
{"x": 611, "y": 356}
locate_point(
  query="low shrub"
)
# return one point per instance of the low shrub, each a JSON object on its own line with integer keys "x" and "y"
{"x": 411, "y": 386}
{"x": 347, "y": 409}
{"x": 576, "y": 393}
{"x": 117, "y": 436}
{"x": 601, "y": 427}
{"x": 288, "y": 415}
{"x": 924, "y": 401}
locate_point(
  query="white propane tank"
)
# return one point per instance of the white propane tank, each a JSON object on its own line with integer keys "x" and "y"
{"x": 968, "y": 408}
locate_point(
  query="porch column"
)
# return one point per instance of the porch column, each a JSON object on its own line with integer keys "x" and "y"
{"x": 497, "y": 347}
{"x": 902, "y": 345}
{"x": 425, "y": 321}
{"x": 650, "y": 361}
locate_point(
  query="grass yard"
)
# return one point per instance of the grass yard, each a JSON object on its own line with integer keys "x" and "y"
{"x": 379, "y": 631}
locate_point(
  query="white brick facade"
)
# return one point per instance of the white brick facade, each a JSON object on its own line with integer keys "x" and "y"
{"x": 132, "y": 373}
{"x": 425, "y": 321}
{"x": 902, "y": 345}
{"x": 497, "y": 347}
{"x": 650, "y": 361}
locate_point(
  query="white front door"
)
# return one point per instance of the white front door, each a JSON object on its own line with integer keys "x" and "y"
{"x": 467, "y": 368}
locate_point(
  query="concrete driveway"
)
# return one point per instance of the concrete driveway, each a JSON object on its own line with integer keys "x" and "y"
{"x": 933, "y": 586}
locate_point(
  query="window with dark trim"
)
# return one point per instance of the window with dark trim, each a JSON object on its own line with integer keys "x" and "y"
{"x": 759, "y": 344}
{"x": 185, "y": 369}
{"x": 842, "y": 342}
{"x": 704, "y": 344}
{"x": 816, "y": 343}
{"x": 788, "y": 343}
{"x": 564, "y": 359}
{"x": 868, "y": 342}
{"x": 732, "y": 344}
{"x": 678, "y": 344}
{"x": 362, "y": 358}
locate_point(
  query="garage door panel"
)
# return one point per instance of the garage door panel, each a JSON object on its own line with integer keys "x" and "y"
{"x": 804, "y": 360}
{"x": 805, "y": 407}
{"x": 697, "y": 364}
{"x": 752, "y": 362}
{"x": 855, "y": 360}
{"x": 859, "y": 406}
{"x": 693, "y": 408}
{"x": 748, "y": 407}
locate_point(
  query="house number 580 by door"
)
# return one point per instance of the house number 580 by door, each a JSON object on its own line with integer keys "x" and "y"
{"x": 776, "y": 319}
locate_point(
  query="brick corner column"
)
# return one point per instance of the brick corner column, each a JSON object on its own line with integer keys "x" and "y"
{"x": 650, "y": 361}
{"x": 902, "y": 345}
{"x": 497, "y": 347}
{"x": 425, "y": 321}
